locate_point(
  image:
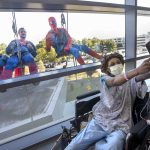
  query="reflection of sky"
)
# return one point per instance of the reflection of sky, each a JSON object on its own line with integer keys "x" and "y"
{"x": 80, "y": 25}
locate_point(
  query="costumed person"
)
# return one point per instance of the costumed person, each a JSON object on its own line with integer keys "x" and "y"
{"x": 3, "y": 60}
{"x": 61, "y": 41}
{"x": 112, "y": 115}
{"x": 27, "y": 52}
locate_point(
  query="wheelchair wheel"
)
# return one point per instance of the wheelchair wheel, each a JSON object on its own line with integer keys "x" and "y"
{"x": 145, "y": 145}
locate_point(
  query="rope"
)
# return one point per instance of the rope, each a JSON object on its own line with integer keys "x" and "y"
{"x": 14, "y": 25}
{"x": 63, "y": 24}
{"x": 63, "y": 21}
{"x": 14, "y": 28}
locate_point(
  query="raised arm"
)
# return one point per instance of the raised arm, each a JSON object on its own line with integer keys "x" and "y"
{"x": 141, "y": 73}
{"x": 31, "y": 48}
{"x": 11, "y": 48}
{"x": 48, "y": 41}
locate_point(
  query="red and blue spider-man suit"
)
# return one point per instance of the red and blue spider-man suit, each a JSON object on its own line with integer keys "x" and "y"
{"x": 28, "y": 52}
{"x": 60, "y": 39}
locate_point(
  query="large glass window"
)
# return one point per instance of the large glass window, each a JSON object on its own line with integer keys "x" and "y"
{"x": 34, "y": 106}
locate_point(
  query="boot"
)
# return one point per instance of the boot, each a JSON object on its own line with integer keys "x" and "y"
{"x": 18, "y": 72}
{"x": 80, "y": 60}
{"x": 1, "y": 70}
{"x": 33, "y": 68}
{"x": 94, "y": 54}
{"x": 6, "y": 74}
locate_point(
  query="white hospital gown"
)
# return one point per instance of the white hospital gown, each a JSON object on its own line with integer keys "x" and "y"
{"x": 114, "y": 110}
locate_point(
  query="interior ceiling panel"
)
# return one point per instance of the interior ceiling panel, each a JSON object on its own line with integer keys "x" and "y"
{"x": 58, "y": 5}
{"x": 66, "y": 5}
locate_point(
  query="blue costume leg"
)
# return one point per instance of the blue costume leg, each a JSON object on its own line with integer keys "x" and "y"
{"x": 1, "y": 65}
{"x": 11, "y": 64}
{"x": 87, "y": 50}
{"x": 113, "y": 141}
{"x": 89, "y": 135}
{"x": 28, "y": 60}
{"x": 3, "y": 60}
{"x": 75, "y": 52}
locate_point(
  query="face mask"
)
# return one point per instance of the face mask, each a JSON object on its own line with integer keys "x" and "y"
{"x": 116, "y": 69}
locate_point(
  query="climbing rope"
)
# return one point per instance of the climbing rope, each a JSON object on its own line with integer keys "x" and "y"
{"x": 63, "y": 21}
{"x": 15, "y": 31}
{"x": 14, "y": 25}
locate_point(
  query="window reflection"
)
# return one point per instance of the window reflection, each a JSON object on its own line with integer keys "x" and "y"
{"x": 143, "y": 35}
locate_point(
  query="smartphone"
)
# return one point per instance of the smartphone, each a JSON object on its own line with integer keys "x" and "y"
{"x": 148, "y": 46}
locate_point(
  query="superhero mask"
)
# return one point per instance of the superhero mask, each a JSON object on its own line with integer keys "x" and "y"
{"x": 52, "y": 23}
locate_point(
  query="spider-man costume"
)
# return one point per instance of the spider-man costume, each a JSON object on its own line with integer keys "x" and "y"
{"x": 60, "y": 39}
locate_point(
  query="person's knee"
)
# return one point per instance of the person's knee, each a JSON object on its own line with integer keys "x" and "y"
{"x": 1, "y": 63}
{"x": 85, "y": 48}
{"x": 75, "y": 53}
{"x": 28, "y": 58}
{"x": 11, "y": 63}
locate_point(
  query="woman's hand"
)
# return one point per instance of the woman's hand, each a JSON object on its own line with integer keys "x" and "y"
{"x": 144, "y": 67}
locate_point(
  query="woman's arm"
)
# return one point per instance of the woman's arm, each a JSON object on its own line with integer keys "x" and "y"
{"x": 141, "y": 72}
{"x": 142, "y": 77}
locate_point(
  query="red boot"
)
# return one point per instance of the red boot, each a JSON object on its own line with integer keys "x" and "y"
{"x": 80, "y": 60}
{"x": 6, "y": 74}
{"x": 33, "y": 68}
{"x": 18, "y": 71}
{"x": 94, "y": 54}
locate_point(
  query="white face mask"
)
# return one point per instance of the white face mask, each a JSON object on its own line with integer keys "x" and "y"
{"x": 116, "y": 69}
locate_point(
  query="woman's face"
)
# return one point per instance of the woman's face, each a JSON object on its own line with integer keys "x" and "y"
{"x": 115, "y": 67}
{"x": 113, "y": 62}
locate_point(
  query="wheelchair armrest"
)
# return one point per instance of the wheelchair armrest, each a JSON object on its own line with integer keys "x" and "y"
{"x": 139, "y": 130}
{"x": 136, "y": 135}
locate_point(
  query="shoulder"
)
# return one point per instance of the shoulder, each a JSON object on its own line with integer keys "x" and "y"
{"x": 105, "y": 77}
{"x": 62, "y": 29}
{"x": 29, "y": 42}
{"x": 13, "y": 42}
{"x": 50, "y": 33}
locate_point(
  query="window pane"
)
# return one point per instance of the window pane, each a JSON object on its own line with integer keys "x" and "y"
{"x": 34, "y": 106}
{"x": 144, "y": 3}
{"x": 143, "y": 35}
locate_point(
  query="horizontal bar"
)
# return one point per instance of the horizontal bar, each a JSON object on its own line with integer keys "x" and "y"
{"x": 58, "y": 5}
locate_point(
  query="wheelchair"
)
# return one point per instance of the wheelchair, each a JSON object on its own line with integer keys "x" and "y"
{"x": 137, "y": 139}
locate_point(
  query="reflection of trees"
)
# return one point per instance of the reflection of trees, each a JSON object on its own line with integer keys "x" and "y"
{"x": 43, "y": 55}
{"x": 100, "y": 45}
